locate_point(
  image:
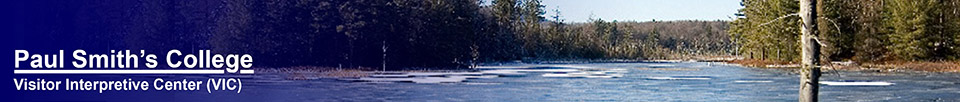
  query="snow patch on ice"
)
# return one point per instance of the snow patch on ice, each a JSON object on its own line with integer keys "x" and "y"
{"x": 855, "y": 83}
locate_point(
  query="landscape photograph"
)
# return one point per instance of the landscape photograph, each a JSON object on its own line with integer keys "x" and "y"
{"x": 513, "y": 50}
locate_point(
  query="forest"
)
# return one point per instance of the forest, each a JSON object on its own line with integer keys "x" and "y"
{"x": 399, "y": 34}
{"x": 866, "y": 31}
{"x": 396, "y": 34}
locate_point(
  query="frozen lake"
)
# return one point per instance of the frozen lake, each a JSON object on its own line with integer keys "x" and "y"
{"x": 680, "y": 81}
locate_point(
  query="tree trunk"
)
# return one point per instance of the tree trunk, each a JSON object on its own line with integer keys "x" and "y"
{"x": 810, "y": 73}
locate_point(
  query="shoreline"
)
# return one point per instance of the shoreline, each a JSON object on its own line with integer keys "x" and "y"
{"x": 895, "y": 66}
{"x": 316, "y": 72}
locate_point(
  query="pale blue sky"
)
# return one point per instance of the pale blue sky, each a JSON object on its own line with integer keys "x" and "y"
{"x": 642, "y": 10}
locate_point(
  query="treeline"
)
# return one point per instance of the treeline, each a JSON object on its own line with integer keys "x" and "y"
{"x": 861, "y": 30}
{"x": 639, "y": 40}
{"x": 395, "y": 34}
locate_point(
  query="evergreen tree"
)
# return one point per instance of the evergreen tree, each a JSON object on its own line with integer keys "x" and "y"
{"x": 911, "y": 26}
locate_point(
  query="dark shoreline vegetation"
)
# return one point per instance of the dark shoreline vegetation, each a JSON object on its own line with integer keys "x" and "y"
{"x": 454, "y": 34}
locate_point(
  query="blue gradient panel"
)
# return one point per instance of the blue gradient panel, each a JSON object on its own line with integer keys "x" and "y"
{"x": 97, "y": 26}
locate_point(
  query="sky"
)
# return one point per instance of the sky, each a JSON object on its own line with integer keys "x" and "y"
{"x": 642, "y": 10}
